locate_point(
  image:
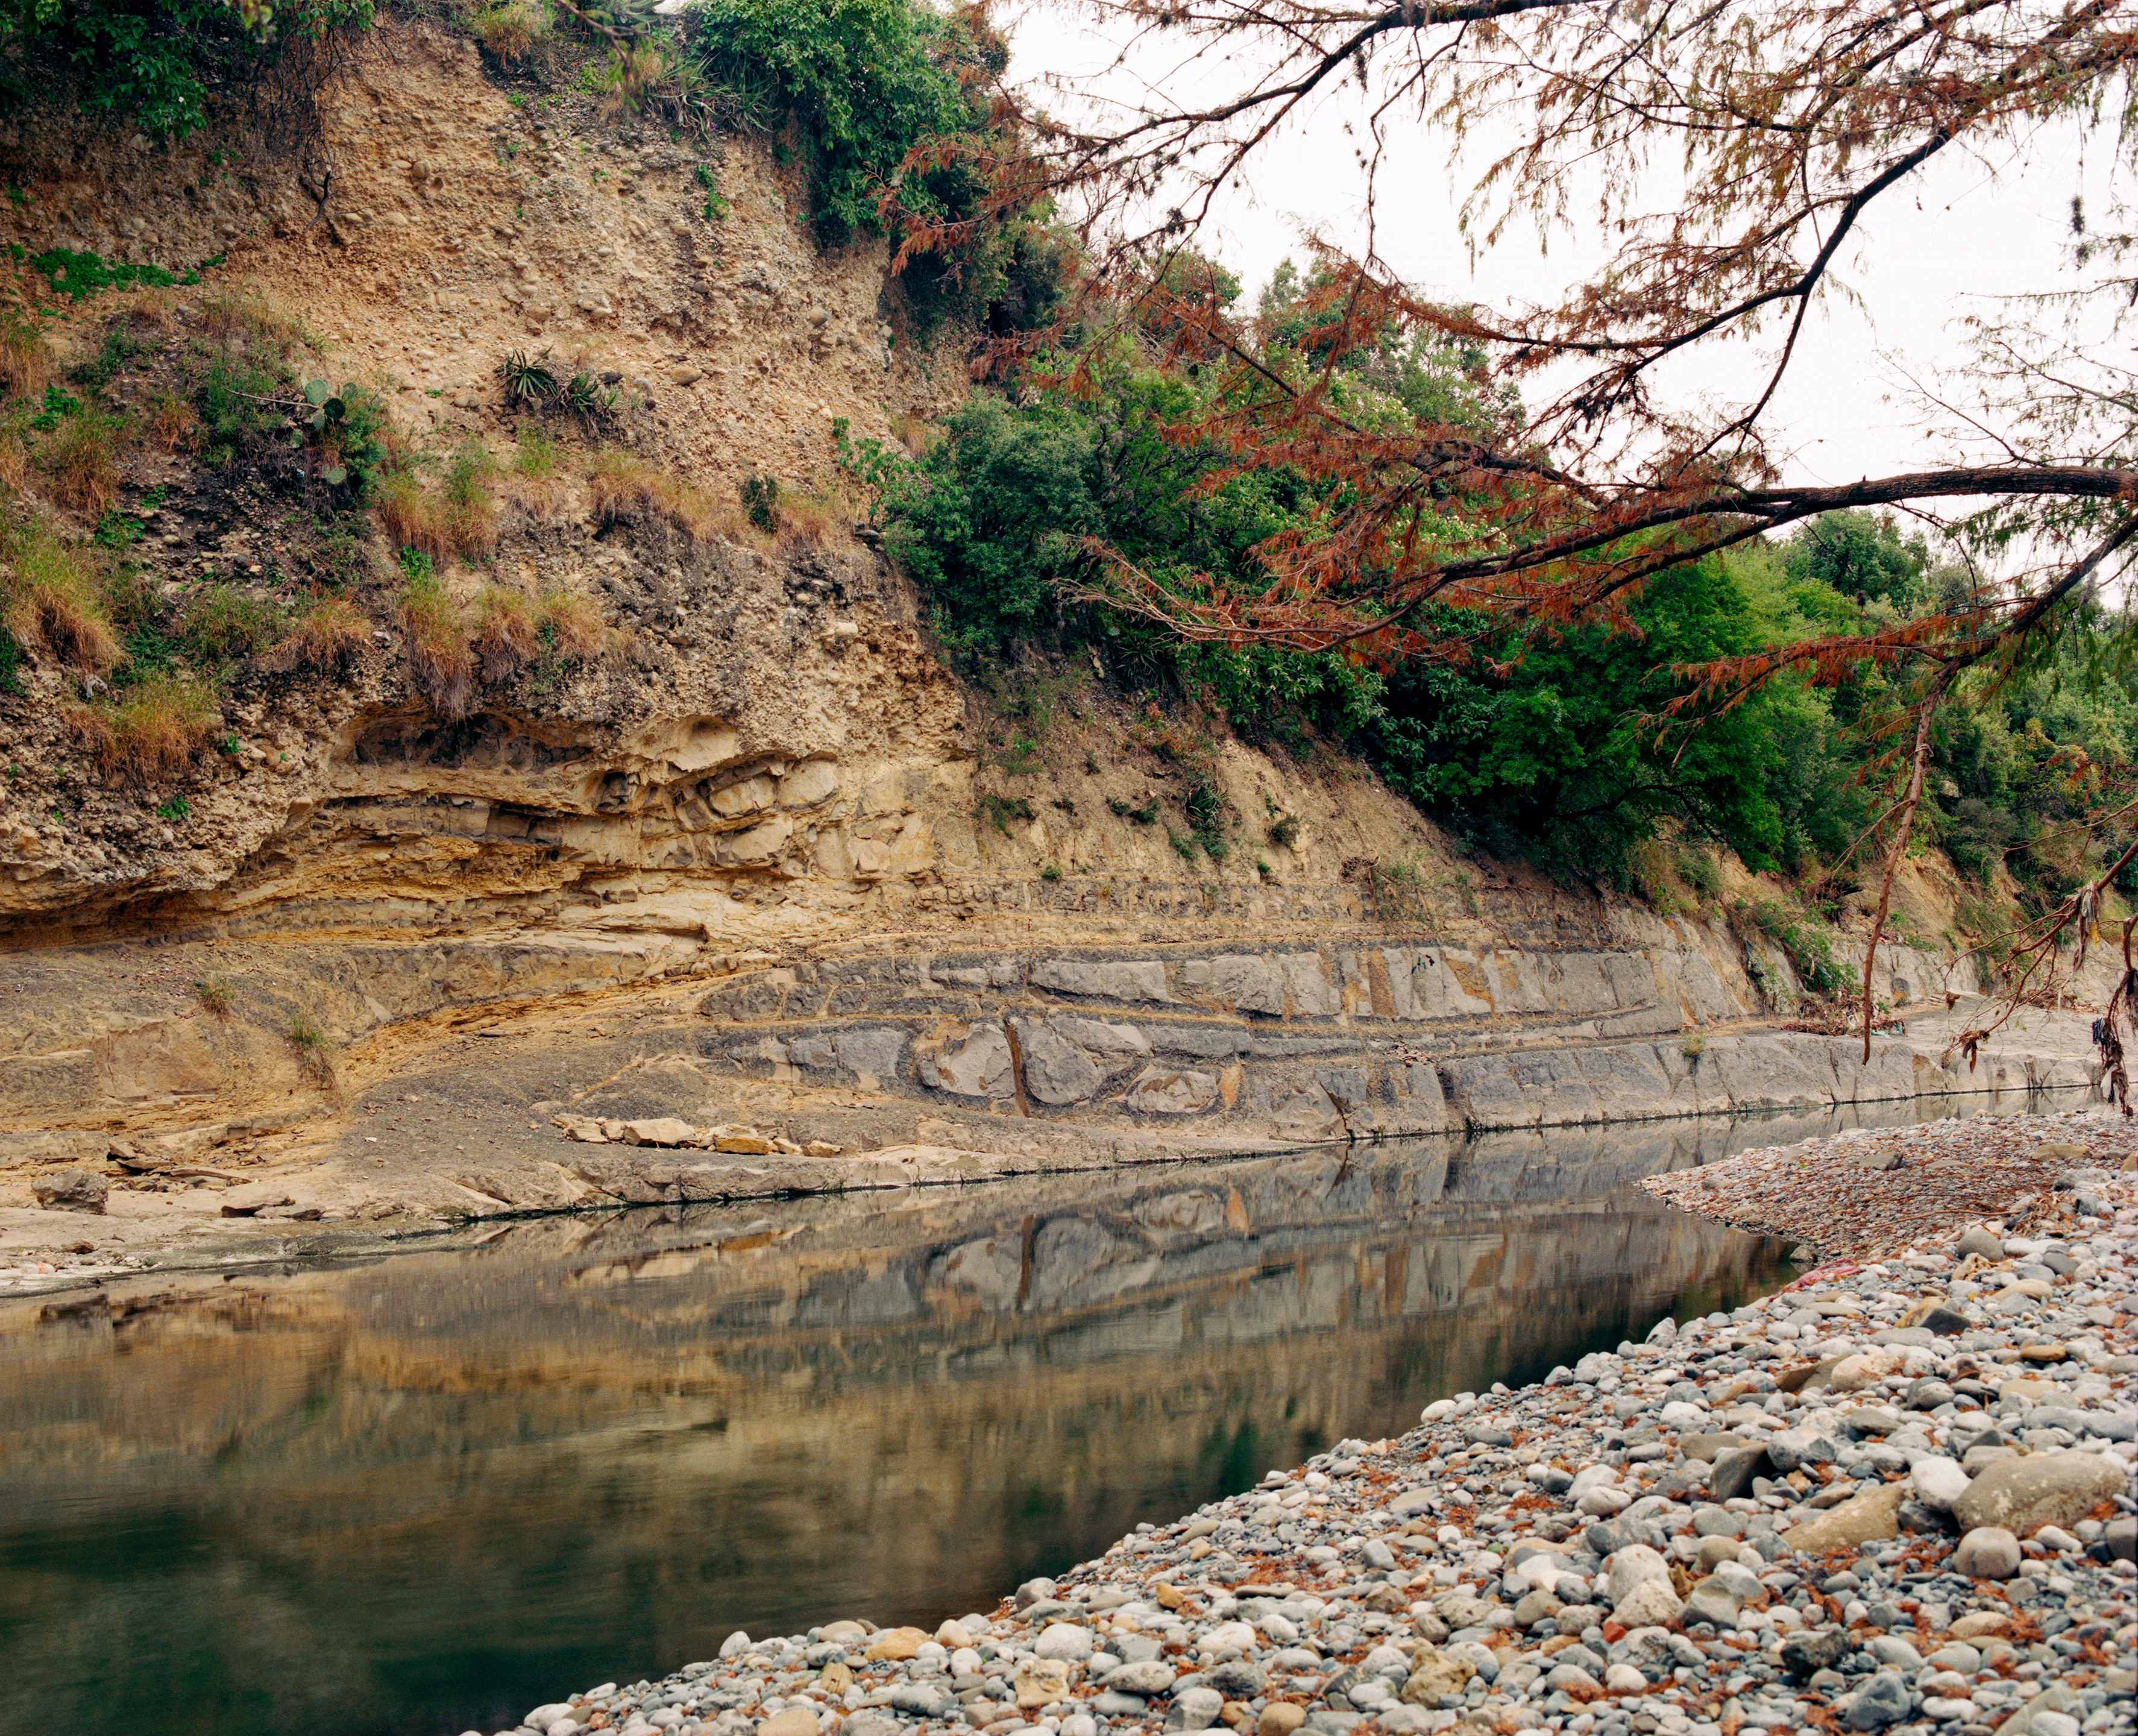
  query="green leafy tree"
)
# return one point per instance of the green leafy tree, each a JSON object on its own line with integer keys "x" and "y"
{"x": 988, "y": 525}
{"x": 1860, "y": 555}
{"x": 1558, "y": 754}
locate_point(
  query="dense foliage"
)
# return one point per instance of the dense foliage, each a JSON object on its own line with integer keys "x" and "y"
{"x": 1559, "y": 746}
{"x": 154, "y": 61}
{"x": 862, "y": 81}
{"x": 860, "y": 86}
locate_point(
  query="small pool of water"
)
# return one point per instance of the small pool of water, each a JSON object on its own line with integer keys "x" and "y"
{"x": 424, "y": 1493}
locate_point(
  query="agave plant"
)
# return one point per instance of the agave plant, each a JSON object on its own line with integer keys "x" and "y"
{"x": 583, "y": 397}
{"x": 529, "y": 381}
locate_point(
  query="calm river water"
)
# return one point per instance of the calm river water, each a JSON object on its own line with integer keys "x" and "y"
{"x": 423, "y": 1492}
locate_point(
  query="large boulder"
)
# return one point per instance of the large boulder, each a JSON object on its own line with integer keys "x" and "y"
{"x": 2022, "y": 1495}
{"x": 666, "y": 1130}
{"x": 1792, "y": 1449}
{"x": 1989, "y": 1552}
{"x": 70, "y": 1190}
{"x": 1937, "y": 1481}
{"x": 1862, "y": 1519}
{"x": 1171, "y": 1091}
{"x": 1066, "y": 1641}
{"x": 1434, "y": 1673}
{"x": 978, "y": 1067}
{"x": 1641, "y": 1594}
{"x": 1735, "y": 1469}
{"x": 1880, "y": 1701}
{"x": 1056, "y": 1070}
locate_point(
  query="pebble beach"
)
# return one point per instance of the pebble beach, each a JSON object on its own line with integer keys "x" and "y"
{"x": 1895, "y": 1497}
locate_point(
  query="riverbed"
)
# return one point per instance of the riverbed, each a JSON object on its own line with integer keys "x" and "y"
{"x": 419, "y": 1492}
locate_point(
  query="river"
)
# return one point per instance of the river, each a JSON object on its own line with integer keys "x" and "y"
{"x": 421, "y": 1492}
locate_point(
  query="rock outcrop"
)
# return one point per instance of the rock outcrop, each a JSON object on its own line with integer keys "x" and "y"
{"x": 769, "y": 832}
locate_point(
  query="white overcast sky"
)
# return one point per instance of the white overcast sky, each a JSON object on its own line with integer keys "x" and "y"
{"x": 1966, "y": 232}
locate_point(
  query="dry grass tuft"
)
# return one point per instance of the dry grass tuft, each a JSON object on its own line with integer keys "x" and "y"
{"x": 51, "y": 601}
{"x": 573, "y": 626}
{"x": 915, "y": 433}
{"x": 173, "y": 423}
{"x": 459, "y": 518}
{"x": 14, "y": 458}
{"x": 533, "y": 456}
{"x": 507, "y": 636}
{"x": 514, "y": 29}
{"x": 81, "y": 458}
{"x": 537, "y": 483}
{"x": 814, "y": 521}
{"x": 326, "y": 639}
{"x": 25, "y": 363}
{"x": 315, "y": 1053}
{"x": 153, "y": 731}
{"x": 440, "y": 660}
{"x": 247, "y": 311}
{"x": 412, "y": 518}
{"x": 623, "y": 482}
{"x": 470, "y": 500}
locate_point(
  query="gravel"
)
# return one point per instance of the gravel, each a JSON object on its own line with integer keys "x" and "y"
{"x": 1864, "y": 1192}
{"x": 1746, "y": 1523}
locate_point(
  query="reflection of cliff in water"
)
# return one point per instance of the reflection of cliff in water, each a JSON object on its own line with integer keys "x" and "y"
{"x": 591, "y": 1449}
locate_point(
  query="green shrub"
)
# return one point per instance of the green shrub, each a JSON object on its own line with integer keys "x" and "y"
{"x": 1206, "y": 809}
{"x": 990, "y": 523}
{"x": 530, "y": 383}
{"x": 79, "y": 275}
{"x": 861, "y": 83}
{"x": 1699, "y": 870}
{"x": 153, "y": 60}
{"x": 1556, "y": 755}
{"x": 998, "y": 810}
{"x": 351, "y": 445}
{"x": 1803, "y": 938}
{"x": 760, "y": 501}
{"x": 120, "y": 346}
{"x": 234, "y": 400}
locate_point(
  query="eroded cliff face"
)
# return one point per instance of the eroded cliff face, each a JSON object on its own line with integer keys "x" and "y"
{"x": 765, "y": 842}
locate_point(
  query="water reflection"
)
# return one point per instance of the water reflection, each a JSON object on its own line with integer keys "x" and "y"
{"x": 424, "y": 1493}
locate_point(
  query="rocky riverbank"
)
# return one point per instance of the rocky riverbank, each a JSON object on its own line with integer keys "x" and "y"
{"x": 1895, "y": 1497}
